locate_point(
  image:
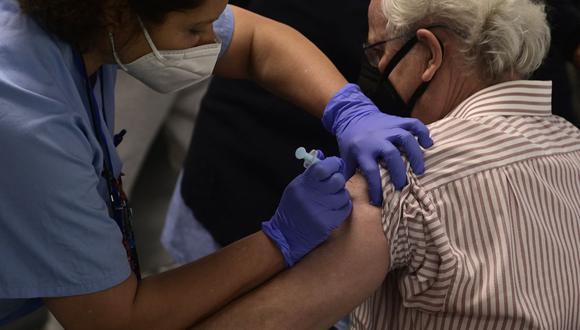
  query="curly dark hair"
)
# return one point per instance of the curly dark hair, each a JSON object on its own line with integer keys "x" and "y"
{"x": 80, "y": 22}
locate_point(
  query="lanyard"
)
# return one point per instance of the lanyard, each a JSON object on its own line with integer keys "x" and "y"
{"x": 119, "y": 205}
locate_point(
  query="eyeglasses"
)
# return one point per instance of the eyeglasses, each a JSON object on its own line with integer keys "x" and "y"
{"x": 375, "y": 52}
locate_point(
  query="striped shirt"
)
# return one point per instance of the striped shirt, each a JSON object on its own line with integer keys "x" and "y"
{"x": 489, "y": 236}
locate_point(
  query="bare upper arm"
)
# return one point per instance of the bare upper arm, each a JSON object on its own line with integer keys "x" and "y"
{"x": 236, "y": 62}
{"x": 358, "y": 189}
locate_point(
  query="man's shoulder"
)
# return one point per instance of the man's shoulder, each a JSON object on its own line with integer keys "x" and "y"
{"x": 464, "y": 147}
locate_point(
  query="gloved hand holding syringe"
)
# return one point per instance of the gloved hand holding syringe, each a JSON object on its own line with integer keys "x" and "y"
{"x": 312, "y": 206}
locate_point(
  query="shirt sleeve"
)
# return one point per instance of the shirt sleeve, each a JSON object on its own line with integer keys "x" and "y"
{"x": 224, "y": 29}
{"x": 56, "y": 236}
{"x": 419, "y": 246}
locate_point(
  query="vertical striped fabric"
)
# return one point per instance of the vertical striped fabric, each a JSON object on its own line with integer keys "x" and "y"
{"x": 489, "y": 237}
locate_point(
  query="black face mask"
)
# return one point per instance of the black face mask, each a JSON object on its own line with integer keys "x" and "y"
{"x": 380, "y": 90}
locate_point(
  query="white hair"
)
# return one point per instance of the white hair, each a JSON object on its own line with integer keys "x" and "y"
{"x": 499, "y": 36}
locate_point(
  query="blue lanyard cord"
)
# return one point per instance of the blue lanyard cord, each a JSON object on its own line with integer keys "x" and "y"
{"x": 122, "y": 213}
{"x": 96, "y": 118}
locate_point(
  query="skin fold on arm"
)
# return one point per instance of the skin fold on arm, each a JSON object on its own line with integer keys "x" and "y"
{"x": 326, "y": 285}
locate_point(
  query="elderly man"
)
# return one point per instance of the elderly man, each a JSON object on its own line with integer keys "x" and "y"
{"x": 487, "y": 238}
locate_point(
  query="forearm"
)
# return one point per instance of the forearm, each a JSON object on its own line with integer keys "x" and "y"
{"x": 179, "y": 298}
{"x": 194, "y": 291}
{"x": 324, "y": 287}
{"x": 281, "y": 60}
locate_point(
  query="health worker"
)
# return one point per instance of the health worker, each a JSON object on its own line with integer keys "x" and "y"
{"x": 65, "y": 224}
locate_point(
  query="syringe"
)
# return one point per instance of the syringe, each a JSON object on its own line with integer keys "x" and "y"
{"x": 309, "y": 158}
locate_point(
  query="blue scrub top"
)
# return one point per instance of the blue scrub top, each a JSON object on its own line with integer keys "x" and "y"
{"x": 56, "y": 236}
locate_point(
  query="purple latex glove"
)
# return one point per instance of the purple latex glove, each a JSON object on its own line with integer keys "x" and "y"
{"x": 367, "y": 136}
{"x": 312, "y": 206}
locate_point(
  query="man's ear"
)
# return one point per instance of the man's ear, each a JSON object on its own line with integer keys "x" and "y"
{"x": 435, "y": 53}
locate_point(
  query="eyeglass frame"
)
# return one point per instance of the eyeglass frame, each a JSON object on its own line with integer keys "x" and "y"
{"x": 375, "y": 58}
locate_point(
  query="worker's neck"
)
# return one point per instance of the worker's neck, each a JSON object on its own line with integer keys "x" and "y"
{"x": 92, "y": 63}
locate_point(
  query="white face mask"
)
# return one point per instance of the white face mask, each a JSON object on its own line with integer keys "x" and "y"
{"x": 172, "y": 70}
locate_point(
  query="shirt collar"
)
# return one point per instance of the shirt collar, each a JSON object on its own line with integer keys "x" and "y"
{"x": 514, "y": 98}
